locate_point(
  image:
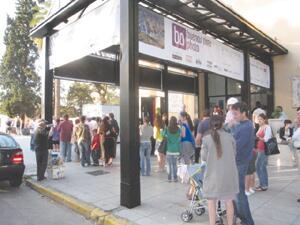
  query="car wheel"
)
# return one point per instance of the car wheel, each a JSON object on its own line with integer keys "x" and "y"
{"x": 15, "y": 183}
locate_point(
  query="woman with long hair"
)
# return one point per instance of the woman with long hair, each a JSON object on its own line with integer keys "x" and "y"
{"x": 263, "y": 134}
{"x": 187, "y": 139}
{"x": 157, "y": 134}
{"x": 146, "y": 132}
{"x": 172, "y": 135}
{"x": 220, "y": 177}
{"x": 106, "y": 134}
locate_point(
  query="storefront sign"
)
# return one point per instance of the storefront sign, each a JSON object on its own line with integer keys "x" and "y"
{"x": 259, "y": 73}
{"x": 163, "y": 38}
{"x": 95, "y": 31}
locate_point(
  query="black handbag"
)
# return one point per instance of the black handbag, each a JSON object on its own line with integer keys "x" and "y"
{"x": 271, "y": 147}
{"x": 162, "y": 148}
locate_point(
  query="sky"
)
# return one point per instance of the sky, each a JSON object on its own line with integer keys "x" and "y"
{"x": 7, "y": 8}
{"x": 267, "y": 15}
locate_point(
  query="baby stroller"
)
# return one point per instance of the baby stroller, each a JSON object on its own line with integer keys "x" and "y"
{"x": 198, "y": 203}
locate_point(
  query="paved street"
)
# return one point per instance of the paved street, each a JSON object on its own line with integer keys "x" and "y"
{"x": 29, "y": 156}
{"x": 162, "y": 202}
{"x": 23, "y": 206}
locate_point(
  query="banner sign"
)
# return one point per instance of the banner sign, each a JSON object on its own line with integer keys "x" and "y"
{"x": 296, "y": 91}
{"x": 259, "y": 73}
{"x": 95, "y": 31}
{"x": 163, "y": 38}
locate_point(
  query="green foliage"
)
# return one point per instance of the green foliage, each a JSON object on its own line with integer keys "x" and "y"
{"x": 277, "y": 113}
{"x": 78, "y": 95}
{"x": 107, "y": 93}
{"x": 19, "y": 82}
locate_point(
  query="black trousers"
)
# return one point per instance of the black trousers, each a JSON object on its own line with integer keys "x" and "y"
{"x": 108, "y": 147}
{"x": 41, "y": 162}
{"x": 197, "y": 154}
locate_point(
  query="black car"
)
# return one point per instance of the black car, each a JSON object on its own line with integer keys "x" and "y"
{"x": 11, "y": 160}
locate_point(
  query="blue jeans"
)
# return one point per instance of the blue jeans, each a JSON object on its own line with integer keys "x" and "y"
{"x": 242, "y": 204}
{"x": 145, "y": 151}
{"x": 65, "y": 150}
{"x": 85, "y": 155}
{"x": 261, "y": 169}
{"x": 172, "y": 166}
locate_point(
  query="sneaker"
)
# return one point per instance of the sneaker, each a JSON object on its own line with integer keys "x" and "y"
{"x": 248, "y": 193}
{"x": 251, "y": 190}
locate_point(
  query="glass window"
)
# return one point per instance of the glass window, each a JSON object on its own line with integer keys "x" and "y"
{"x": 219, "y": 101}
{"x": 216, "y": 85}
{"x": 257, "y": 89}
{"x": 233, "y": 87}
{"x": 7, "y": 142}
{"x": 261, "y": 97}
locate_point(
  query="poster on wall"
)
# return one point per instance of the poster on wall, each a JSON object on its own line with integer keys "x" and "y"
{"x": 259, "y": 73}
{"x": 175, "y": 102}
{"x": 163, "y": 38}
{"x": 296, "y": 91}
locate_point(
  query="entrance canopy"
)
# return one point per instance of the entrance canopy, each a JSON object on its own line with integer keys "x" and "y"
{"x": 210, "y": 17}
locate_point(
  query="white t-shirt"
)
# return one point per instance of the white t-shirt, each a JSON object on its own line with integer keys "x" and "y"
{"x": 296, "y": 138}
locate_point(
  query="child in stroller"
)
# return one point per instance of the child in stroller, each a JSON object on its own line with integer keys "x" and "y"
{"x": 198, "y": 204}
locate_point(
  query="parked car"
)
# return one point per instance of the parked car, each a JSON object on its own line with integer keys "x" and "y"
{"x": 11, "y": 160}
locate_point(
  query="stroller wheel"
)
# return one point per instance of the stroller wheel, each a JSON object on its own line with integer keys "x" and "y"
{"x": 186, "y": 216}
{"x": 220, "y": 222}
{"x": 199, "y": 210}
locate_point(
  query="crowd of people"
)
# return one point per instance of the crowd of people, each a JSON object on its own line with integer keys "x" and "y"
{"x": 93, "y": 140}
{"x": 232, "y": 145}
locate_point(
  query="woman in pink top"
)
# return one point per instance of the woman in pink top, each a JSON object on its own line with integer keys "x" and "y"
{"x": 263, "y": 134}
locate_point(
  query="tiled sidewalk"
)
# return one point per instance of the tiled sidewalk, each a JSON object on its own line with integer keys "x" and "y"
{"x": 163, "y": 202}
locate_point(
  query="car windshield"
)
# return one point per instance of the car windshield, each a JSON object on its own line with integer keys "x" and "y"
{"x": 7, "y": 142}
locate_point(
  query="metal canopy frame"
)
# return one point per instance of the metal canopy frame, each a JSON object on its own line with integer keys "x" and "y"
{"x": 210, "y": 16}
{"x": 216, "y": 19}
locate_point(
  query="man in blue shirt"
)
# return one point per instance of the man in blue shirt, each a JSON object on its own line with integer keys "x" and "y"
{"x": 243, "y": 135}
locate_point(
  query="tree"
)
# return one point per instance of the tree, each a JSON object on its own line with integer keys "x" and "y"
{"x": 78, "y": 95}
{"x": 107, "y": 94}
{"x": 18, "y": 80}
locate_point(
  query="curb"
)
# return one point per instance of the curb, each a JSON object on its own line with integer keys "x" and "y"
{"x": 89, "y": 212}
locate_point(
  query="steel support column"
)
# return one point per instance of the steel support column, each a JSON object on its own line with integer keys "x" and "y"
{"x": 246, "y": 92}
{"x": 129, "y": 94}
{"x": 165, "y": 88}
{"x": 47, "y": 107}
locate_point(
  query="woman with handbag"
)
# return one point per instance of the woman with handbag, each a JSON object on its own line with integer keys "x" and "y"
{"x": 263, "y": 134}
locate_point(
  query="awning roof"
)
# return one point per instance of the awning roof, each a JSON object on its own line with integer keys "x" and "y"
{"x": 213, "y": 17}
{"x": 210, "y": 16}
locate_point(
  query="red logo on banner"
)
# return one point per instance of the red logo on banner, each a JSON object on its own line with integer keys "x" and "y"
{"x": 178, "y": 36}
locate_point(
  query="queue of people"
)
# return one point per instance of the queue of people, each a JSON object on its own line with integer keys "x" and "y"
{"x": 94, "y": 139}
